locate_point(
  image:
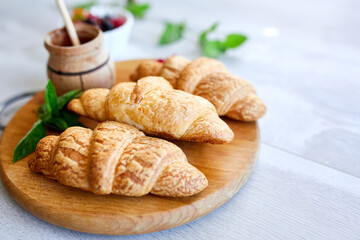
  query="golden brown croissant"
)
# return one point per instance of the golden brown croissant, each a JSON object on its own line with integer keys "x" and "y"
{"x": 117, "y": 158}
{"x": 206, "y": 77}
{"x": 153, "y": 106}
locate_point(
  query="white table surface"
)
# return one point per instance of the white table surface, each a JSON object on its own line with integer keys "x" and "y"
{"x": 303, "y": 59}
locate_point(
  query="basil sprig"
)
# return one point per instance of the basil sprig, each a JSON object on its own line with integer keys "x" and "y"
{"x": 210, "y": 48}
{"x": 28, "y": 143}
{"x": 214, "y": 48}
{"x": 172, "y": 33}
{"x": 137, "y": 9}
{"x": 53, "y": 114}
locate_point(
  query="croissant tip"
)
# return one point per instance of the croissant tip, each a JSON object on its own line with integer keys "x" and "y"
{"x": 251, "y": 115}
{"x": 221, "y": 137}
{"x": 76, "y": 107}
{"x": 210, "y": 129}
{"x": 199, "y": 183}
{"x": 253, "y": 110}
{"x": 146, "y": 68}
{"x": 224, "y": 134}
{"x": 180, "y": 179}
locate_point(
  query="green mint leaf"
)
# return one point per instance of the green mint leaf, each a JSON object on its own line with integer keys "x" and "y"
{"x": 213, "y": 49}
{"x": 43, "y": 113}
{"x": 138, "y": 10}
{"x": 67, "y": 97}
{"x": 57, "y": 124}
{"x": 28, "y": 143}
{"x": 62, "y": 101}
{"x": 71, "y": 118}
{"x": 77, "y": 95}
{"x": 203, "y": 35}
{"x": 234, "y": 40}
{"x": 172, "y": 33}
{"x": 59, "y": 121}
{"x": 51, "y": 99}
{"x": 52, "y": 115}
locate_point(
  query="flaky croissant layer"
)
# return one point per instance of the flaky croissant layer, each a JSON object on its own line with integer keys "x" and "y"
{"x": 206, "y": 77}
{"x": 117, "y": 158}
{"x": 153, "y": 106}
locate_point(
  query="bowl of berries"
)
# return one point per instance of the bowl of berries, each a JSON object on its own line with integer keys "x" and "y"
{"x": 116, "y": 23}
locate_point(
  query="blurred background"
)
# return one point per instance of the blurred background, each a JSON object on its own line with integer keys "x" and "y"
{"x": 301, "y": 56}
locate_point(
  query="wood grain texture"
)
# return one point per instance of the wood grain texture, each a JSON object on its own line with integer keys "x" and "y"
{"x": 227, "y": 168}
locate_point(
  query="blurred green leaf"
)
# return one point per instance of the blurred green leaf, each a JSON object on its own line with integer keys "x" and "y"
{"x": 203, "y": 35}
{"x": 234, "y": 40}
{"x": 138, "y": 10}
{"x": 172, "y": 33}
{"x": 214, "y": 48}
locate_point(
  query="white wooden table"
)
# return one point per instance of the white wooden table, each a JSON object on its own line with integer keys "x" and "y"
{"x": 303, "y": 59}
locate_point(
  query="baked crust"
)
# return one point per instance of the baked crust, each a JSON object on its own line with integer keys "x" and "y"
{"x": 153, "y": 106}
{"x": 232, "y": 96}
{"x": 146, "y": 68}
{"x": 117, "y": 158}
{"x": 172, "y": 69}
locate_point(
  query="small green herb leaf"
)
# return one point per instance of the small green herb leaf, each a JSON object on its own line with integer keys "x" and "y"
{"x": 67, "y": 97}
{"x": 71, "y": 118}
{"x": 28, "y": 143}
{"x": 234, "y": 40}
{"x": 52, "y": 114}
{"x": 214, "y": 48}
{"x": 62, "y": 101}
{"x": 203, "y": 35}
{"x": 172, "y": 33}
{"x": 43, "y": 113}
{"x": 138, "y": 10}
{"x": 57, "y": 124}
{"x": 51, "y": 99}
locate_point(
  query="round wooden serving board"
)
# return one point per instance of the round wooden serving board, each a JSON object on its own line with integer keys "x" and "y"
{"x": 227, "y": 168}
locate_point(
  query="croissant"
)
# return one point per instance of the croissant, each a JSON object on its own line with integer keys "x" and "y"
{"x": 117, "y": 158}
{"x": 232, "y": 96}
{"x": 153, "y": 106}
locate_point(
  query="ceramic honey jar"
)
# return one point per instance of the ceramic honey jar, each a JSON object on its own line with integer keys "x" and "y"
{"x": 81, "y": 67}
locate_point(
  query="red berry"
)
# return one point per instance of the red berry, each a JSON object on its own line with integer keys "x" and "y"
{"x": 161, "y": 60}
{"x": 118, "y": 21}
{"x": 94, "y": 19}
